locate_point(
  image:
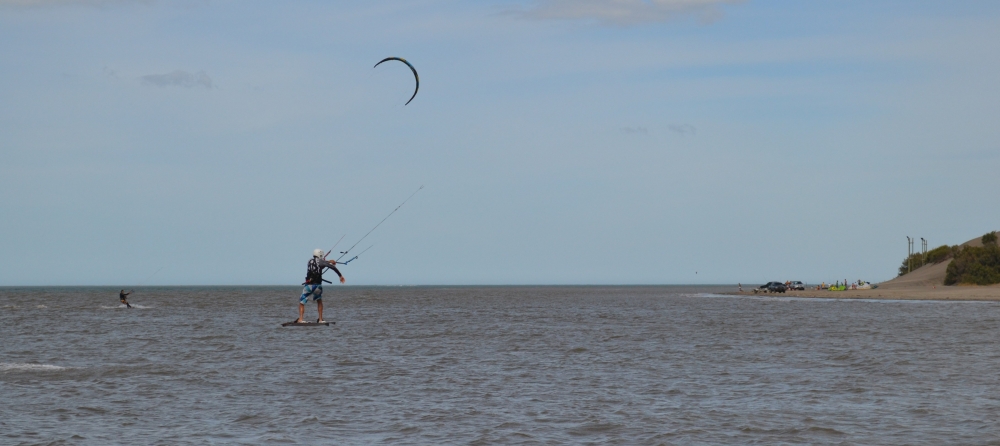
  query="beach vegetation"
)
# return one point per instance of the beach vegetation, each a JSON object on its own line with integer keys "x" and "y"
{"x": 990, "y": 238}
{"x": 910, "y": 263}
{"x": 940, "y": 254}
{"x": 934, "y": 256}
{"x": 975, "y": 265}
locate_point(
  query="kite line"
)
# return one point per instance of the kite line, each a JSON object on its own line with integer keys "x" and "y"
{"x": 344, "y": 253}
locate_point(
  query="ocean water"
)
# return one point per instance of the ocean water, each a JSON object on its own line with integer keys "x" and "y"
{"x": 665, "y": 365}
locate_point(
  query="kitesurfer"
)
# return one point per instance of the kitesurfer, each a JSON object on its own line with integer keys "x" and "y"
{"x": 123, "y": 296}
{"x": 313, "y": 286}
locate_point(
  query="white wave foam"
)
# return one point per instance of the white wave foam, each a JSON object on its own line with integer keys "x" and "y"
{"x": 706, "y": 295}
{"x": 21, "y": 367}
{"x": 41, "y": 306}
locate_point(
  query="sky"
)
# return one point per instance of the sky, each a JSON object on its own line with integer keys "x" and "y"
{"x": 213, "y": 142}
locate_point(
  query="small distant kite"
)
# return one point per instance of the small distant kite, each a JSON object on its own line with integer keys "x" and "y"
{"x": 414, "y": 70}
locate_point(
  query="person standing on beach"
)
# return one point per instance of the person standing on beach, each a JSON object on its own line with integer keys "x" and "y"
{"x": 313, "y": 286}
{"x": 123, "y": 297}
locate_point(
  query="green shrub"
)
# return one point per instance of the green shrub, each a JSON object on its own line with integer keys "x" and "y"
{"x": 975, "y": 265}
{"x": 938, "y": 255}
{"x": 990, "y": 238}
{"x": 914, "y": 261}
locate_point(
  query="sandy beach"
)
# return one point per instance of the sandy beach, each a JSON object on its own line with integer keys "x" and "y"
{"x": 915, "y": 292}
{"x": 924, "y": 283}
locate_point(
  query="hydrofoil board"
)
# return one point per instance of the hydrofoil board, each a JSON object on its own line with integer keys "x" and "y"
{"x": 307, "y": 324}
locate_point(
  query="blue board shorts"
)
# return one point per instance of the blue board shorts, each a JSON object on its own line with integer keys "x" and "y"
{"x": 316, "y": 291}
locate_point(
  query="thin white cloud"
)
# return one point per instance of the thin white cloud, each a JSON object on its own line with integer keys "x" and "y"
{"x": 178, "y": 78}
{"x": 635, "y": 130}
{"x": 109, "y": 72}
{"x": 54, "y": 3}
{"x": 683, "y": 129}
{"x": 625, "y": 12}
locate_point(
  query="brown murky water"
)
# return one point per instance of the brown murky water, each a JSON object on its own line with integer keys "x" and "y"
{"x": 494, "y": 365}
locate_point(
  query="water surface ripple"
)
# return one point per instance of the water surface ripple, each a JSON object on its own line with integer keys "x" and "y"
{"x": 494, "y": 365}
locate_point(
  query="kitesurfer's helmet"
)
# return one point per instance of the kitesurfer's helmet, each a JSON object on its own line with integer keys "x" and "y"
{"x": 317, "y": 253}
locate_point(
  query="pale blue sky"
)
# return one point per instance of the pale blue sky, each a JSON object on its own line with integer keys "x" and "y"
{"x": 560, "y": 142}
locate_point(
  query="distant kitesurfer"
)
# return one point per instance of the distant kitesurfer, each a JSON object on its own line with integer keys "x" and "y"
{"x": 313, "y": 286}
{"x": 123, "y": 296}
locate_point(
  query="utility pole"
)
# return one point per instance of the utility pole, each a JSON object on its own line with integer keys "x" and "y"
{"x": 923, "y": 247}
{"x": 909, "y": 254}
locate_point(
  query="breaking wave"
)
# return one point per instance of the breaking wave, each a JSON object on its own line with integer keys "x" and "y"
{"x": 23, "y": 367}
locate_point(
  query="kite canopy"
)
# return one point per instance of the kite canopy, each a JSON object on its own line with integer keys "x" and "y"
{"x": 414, "y": 70}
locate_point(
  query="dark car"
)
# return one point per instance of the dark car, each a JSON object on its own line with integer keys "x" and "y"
{"x": 774, "y": 287}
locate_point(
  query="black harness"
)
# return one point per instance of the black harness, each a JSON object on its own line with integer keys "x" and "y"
{"x": 314, "y": 273}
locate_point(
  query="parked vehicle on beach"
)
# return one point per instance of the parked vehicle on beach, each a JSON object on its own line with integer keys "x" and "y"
{"x": 771, "y": 287}
{"x": 776, "y": 287}
{"x": 797, "y": 285}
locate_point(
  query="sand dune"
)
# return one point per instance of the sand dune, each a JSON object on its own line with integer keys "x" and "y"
{"x": 927, "y": 275}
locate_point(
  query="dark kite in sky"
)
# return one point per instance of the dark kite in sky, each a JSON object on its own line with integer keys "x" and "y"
{"x": 414, "y": 70}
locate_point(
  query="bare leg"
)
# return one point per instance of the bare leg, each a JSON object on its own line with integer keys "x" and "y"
{"x": 302, "y": 312}
{"x": 319, "y": 307}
